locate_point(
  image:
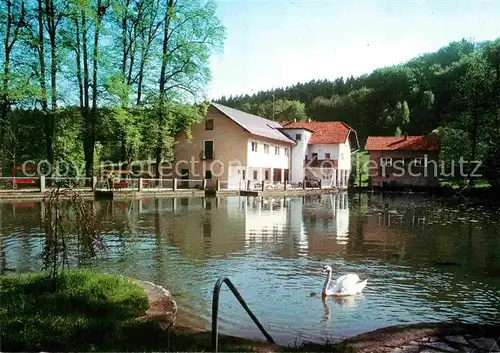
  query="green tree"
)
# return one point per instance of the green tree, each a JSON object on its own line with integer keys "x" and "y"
{"x": 191, "y": 31}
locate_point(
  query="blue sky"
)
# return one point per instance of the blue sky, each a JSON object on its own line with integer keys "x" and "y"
{"x": 278, "y": 43}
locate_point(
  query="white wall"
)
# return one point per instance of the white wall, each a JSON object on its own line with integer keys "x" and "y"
{"x": 260, "y": 159}
{"x": 298, "y": 154}
{"x": 345, "y": 151}
{"x": 322, "y": 149}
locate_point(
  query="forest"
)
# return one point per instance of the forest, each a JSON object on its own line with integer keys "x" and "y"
{"x": 453, "y": 92}
{"x": 89, "y": 80}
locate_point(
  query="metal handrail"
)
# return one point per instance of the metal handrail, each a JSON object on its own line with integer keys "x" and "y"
{"x": 215, "y": 311}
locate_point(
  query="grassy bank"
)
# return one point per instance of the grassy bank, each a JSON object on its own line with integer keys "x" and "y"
{"x": 88, "y": 311}
{"x": 83, "y": 312}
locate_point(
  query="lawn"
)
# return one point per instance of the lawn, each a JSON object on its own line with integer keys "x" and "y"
{"x": 85, "y": 311}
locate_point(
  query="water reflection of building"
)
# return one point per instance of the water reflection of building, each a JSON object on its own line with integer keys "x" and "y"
{"x": 219, "y": 226}
{"x": 199, "y": 226}
{"x": 265, "y": 218}
{"x": 327, "y": 223}
{"x": 301, "y": 225}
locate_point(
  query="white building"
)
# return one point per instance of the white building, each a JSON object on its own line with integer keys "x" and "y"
{"x": 323, "y": 151}
{"x": 236, "y": 147}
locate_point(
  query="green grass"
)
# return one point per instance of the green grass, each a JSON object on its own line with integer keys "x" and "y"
{"x": 84, "y": 311}
{"x": 89, "y": 311}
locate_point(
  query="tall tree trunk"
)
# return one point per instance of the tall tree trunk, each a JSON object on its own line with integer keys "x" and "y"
{"x": 41, "y": 53}
{"x": 88, "y": 142}
{"x": 124, "y": 39}
{"x": 49, "y": 121}
{"x": 91, "y": 118}
{"x": 51, "y": 26}
{"x": 78, "y": 56}
{"x": 147, "y": 36}
{"x": 139, "y": 83}
{"x": 11, "y": 30}
{"x": 48, "y": 118}
{"x": 162, "y": 113}
{"x": 5, "y": 101}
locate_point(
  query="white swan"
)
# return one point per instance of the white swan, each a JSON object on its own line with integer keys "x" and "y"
{"x": 349, "y": 284}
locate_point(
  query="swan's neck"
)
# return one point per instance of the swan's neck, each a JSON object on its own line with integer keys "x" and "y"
{"x": 327, "y": 282}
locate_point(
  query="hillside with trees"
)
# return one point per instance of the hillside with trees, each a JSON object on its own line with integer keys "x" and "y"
{"x": 454, "y": 92}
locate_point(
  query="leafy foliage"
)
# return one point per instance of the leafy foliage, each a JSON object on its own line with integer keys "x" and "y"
{"x": 86, "y": 77}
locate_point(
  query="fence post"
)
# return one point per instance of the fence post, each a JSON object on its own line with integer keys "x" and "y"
{"x": 248, "y": 184}
{"x": 320, "y": 183}
{"x": 94, "y": 183}
{"x": 284, "y": 185}
{"x": 42, "y": 183}
{"x": 304, "y": 184}
{"x": 140, "y": 184}
{"x": 263, "y": 185}
{"x": 174, "y": 181}
{"x": 204, "y": 184}
{"x": 218, "y": 185}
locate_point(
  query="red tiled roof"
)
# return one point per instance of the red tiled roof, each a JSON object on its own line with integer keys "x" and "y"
{"x": 408, "y": 143}
{"x": 324, "y": 132}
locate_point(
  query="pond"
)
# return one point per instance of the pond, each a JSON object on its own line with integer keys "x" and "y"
{"x": 426, "y": 260}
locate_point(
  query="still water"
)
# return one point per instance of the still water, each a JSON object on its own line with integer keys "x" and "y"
{"x": 425, "y": 260}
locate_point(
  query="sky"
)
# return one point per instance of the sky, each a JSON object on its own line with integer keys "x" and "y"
{"x": 277, "y": 43}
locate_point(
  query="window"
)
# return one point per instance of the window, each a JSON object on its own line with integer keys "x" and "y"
{"x": 314, "y": 156}
{"x": 287, "y": 151}
{"x": 386, "y": 161}
{"x": 419, "y": 162}
{"x": 298, "y": 137}
{"x": 208, "y": 174}
{"x": 327, "y": 155}
{"x": 277, "y": 150}
{"x": 254, "y": 146}
{"x": 209, "y": 124}
{"x": 266, "y": 148}
{"x": 255, "y": 175}
{"x": 208, "y": 149}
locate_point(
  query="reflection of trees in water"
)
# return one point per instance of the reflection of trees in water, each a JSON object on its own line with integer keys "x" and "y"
{"x": 3, "y": 260}
{"x": 418, "y": 230}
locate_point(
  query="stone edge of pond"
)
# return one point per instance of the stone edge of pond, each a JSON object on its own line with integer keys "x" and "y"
{"x": 427, "y": 337}
{"x": 162, "y": 307}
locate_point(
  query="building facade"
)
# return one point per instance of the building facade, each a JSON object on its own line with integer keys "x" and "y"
{"x": 408, "y": 161}
{"x": 236, "y": 147}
